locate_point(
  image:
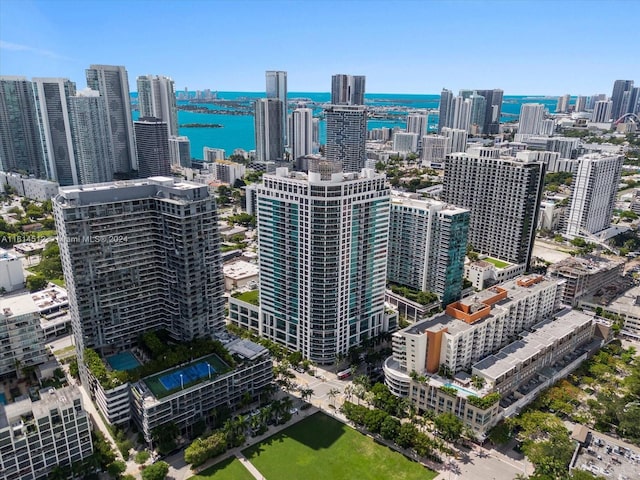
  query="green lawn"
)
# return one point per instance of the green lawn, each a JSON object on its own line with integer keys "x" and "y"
{"x": 250, "y": 297}
{"x": 229, "y": 469}
{"x": 496, "y": 262}
{"x": 321, "y": 448}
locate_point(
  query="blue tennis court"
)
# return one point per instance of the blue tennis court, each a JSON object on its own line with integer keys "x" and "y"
{"x": 123, "y": 361}
{"x": 186, "y": 375}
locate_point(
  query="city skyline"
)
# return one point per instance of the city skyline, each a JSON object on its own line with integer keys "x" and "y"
{"x": 58, "y": 39}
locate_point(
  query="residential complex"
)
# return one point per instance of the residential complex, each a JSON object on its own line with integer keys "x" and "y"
{"x": 503, "y": 195}
{"x": 322, "y": 255}
{"x": 593, "y": 195}
{"x": 427, "y": 246}
{"x": 301, "y": 132}
{"x": 11, "y": 274}
{"x": 346, "y": 136}
{"x": 140, "y": 255}
{"x": 505, "y": 336}
{"x": 37, "y": 436}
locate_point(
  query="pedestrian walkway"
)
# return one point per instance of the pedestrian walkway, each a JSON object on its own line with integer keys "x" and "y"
{"x": 249, "y": 466}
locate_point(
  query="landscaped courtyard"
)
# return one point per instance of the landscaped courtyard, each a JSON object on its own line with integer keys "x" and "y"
{"x": 320, "y": 447}
{"x": 229, "y": 469}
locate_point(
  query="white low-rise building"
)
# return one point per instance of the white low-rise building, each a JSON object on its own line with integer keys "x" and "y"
{"x": 11, "y": 273}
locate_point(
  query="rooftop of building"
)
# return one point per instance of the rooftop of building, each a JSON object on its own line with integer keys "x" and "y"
{"x": 51, "y": 398}
{"x": 588, "y": 265}
{"x": 167, "y": 188}
{"x": 17, "y": 305}
{"x": 53, "y": 297}
{"x": 543, "y": 335}
{"x": 239, "y": 269}
{"x": 482, "y": 304}
{"x": 5, "y": 255}
{"x": 417, "y": 201}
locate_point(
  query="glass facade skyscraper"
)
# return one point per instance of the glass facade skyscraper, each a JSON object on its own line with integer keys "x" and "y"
{"x": 322, "y": 255}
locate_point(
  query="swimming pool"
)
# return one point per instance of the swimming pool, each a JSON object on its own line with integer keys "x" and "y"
{"x": 123, "y": 361}
{"x": 463, "y": 390}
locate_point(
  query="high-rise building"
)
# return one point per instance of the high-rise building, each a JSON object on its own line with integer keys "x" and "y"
{"x": 563, "y": 104}
{"x": 20, "y": 147}
{"x": 277, "y": 88}
{"x": 346, "y": 136}
{"x": 493, "y": 110}
{"x": 347, "y": 89}
{"x": 152, "y": 143}
{"x": 445, "y": 115}
{"x": 595, "y": 98}
{"x": 548, "y": 127}
{"x": 113, "y": 84}
{"x": 531, "y": 118}
{"x": 434, "y": 149}
{"x": 92, "y": 146}
{"x": 38, "y": 436}
{"x": 52, "y": 104}
{"x": 140, "y": 255}
{"x": 322, "y": 256}
{"x": 315, "y": 128}
{"x": 417, "y": 123}
{"x": 634, "y": 101}
{"x": 478, "y": 112}
{"x": 301, "y": 132}
{"x": 427, "y": 246}
{"x": 268, "y": 129}
{"x": 157, "y": 98}
{"x": 461, "y": 113}
{"x": 405, "y": 142}
{"x": 619, "y": 88}
{"x": 581, "y": 104}
{"x": 457, "y": 139}
{"x": 180, "y": 151}
{"x": 602, "y": 111}
{"x": 503, "y": 195}
{"x": 593, "y": 195}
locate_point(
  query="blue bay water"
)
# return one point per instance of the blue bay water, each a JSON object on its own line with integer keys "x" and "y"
{"x": 238, "y": 130}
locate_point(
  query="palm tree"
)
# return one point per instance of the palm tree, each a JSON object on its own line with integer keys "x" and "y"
{"x": 306, "y": 393}
{"x": 287, "y": 404}
{"x": 359, "y": 391}
{"x": 332, "y": 395}
{"x": 348, "y": 392}
{"x": 276, "y": 410}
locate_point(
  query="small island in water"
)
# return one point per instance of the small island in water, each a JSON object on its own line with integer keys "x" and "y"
{"x": 201, "y": 125}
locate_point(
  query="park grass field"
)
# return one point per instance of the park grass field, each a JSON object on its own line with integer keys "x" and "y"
{"x": 229, "y": 469}
{"x": 320, "y": 448}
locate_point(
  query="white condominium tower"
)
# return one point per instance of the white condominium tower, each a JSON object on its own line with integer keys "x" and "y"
{"x": 91, "y": 137}
{"x": 301, "y": 132}
{"x": 503, "y": 195}
{"x": 140, "y": 255}
{"x": 347, "y": 89}
{"x": 593, "y": 196}
{"x": 531, "y": 118}
{"x": 113, "y": 84}
{"x": 323, "y": 258}
{"x": 346, "y": 136}
{"x": 52, "y": 104}
{"x": 157, "y": 98}
{"x": 417, "y": 123}
{"x": 269, "y": 125}
{"x": 276, "y": 87}
{"x": 427, "y": 246}
{"x": 602, "y": 111}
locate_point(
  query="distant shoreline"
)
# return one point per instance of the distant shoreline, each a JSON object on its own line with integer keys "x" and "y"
{"x": 201, "y": 125}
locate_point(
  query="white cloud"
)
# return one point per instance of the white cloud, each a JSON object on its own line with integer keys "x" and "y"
{"x": 15, "y": 47}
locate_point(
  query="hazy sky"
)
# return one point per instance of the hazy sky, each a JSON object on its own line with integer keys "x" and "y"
{"x": 418, "y": 46}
